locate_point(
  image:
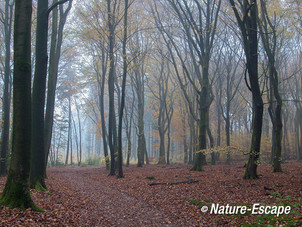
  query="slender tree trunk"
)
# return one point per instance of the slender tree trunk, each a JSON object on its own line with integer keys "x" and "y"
{"x": 69, "y": 131}
{"x": 128, "y": 133}
{"x": 168, "y": 145}
{"x": 125, "y": 68}
{"x": 55, "y": 53}
{"x": 7, "y": 21}
{"x": 76, "y": 139}
{"x": 80, "y": 133}
{"x": 111, "y": 78}
{"x": 249, "y": 30}
{"x": 104, "y": 130}
{"x": 146, "y": 153}
{"x": 275, "y": 107}
{"x": 141, "y": 148}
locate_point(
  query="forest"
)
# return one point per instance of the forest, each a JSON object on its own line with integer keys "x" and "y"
{"x": 151, "y": 113}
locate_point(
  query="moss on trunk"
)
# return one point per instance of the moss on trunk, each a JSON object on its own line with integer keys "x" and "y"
{"x": 17, "y": 195}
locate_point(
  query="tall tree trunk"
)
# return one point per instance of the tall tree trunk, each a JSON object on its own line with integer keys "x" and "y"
{"x": 146, "y": 153}
{"x": 69, "y": 131}
{"x": 76, "y": 139}
{"x": 80, "y": 133}
{"x": 16, "y": 191}
{"x": 249, "y": 30}
{"x": 104, "y": 130}
{"x": 111, "y": 79}
{"x": 141, "y": 148}
{"x": 7, "y": 21}
{"x": 125, "y": 68}
{"x": 38, "y": 99}
{"x": 128, "y": 133}
{"x": 184, "y": 130}
{"x": 275, "y": 107}
{"x": 162, "y": 153}
{"x": 168, "y": 145}
{"x": 54, "y": 57}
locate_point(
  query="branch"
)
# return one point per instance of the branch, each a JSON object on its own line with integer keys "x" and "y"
{"x": 189, "y": 181}
{"x": 55, "y": 5}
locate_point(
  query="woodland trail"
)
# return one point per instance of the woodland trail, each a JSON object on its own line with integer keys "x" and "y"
{"x": 104, "y": 205}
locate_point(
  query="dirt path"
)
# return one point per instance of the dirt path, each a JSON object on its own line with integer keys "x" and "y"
{"x": 104, "y": 205}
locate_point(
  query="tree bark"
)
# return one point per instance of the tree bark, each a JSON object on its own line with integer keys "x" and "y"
{"x": 55, "y": 53}
{"x": 7, "y": 22}
{"x": 16, "y": 191}
{"x": 38, "y": 99}
{"x": 111, "y": 78}
{"x": 121, "y": 113}
{"x": 248, "y": 27}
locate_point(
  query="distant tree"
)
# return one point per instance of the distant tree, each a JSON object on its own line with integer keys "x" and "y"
{"x": 199, "y": 26}
{"x": 139, "y": 48}
{"x": 16, "y": 191}
{"x": 160, "y": 87}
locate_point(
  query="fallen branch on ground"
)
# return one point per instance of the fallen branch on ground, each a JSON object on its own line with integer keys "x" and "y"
{"x": 190, "y": 181}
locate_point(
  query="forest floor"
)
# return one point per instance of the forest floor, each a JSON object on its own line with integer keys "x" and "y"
{"x": 87, "y": 196}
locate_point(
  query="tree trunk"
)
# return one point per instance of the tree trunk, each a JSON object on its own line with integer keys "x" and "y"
{"x": 16, "y": 191}
{"x": 141, "y": 148}
{"x": 38, "y": 99}
{"x": 104, "y": 130}
{"x": 249, "y": 31}
{"x": 7, "y": 21}
{"x": 80, "y": 133}
{"x": 55, "y": 53}
{"x": 125, "y": 68}
{"x": 162, "y": 158}
{"x": 69, "y": 131}
{"x": 111, "y": 79}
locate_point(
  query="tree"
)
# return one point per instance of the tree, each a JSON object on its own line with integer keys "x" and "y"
{"x": 125, "y": 68}
{"x": 161, "y": 94}
{"x": 39, "y": 156}
{"x": 112, "y": 133}
{"x": 247, "y": 22}
{"x": 7, "y": 22}
{"x": 38, "y": 99}
{"x": 198, "y": 22}
{"x": 269, "y": 40}
{"x": 16, "y": 191}
{"x": 54, "y": 57}
{"x": 139, "y": 48}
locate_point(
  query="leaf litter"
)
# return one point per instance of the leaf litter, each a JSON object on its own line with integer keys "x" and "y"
{"x": 87, "y": 196}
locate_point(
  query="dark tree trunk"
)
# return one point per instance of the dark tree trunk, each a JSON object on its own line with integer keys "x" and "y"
{"x": 125, "y": 68}
{"x": 111, "y": 79}
{"x": 248, "y": 27}
{"x": 104, "y": 130}
{"x": 16, "y": 191}
{"x": 275, "y": 106}
{"x": 38, "y": 99}
{"x": 55, "y": 53}
{"x": 7, "y": 21}
{"x": 141, "y": 148}
{"x": 162, "y": 153}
